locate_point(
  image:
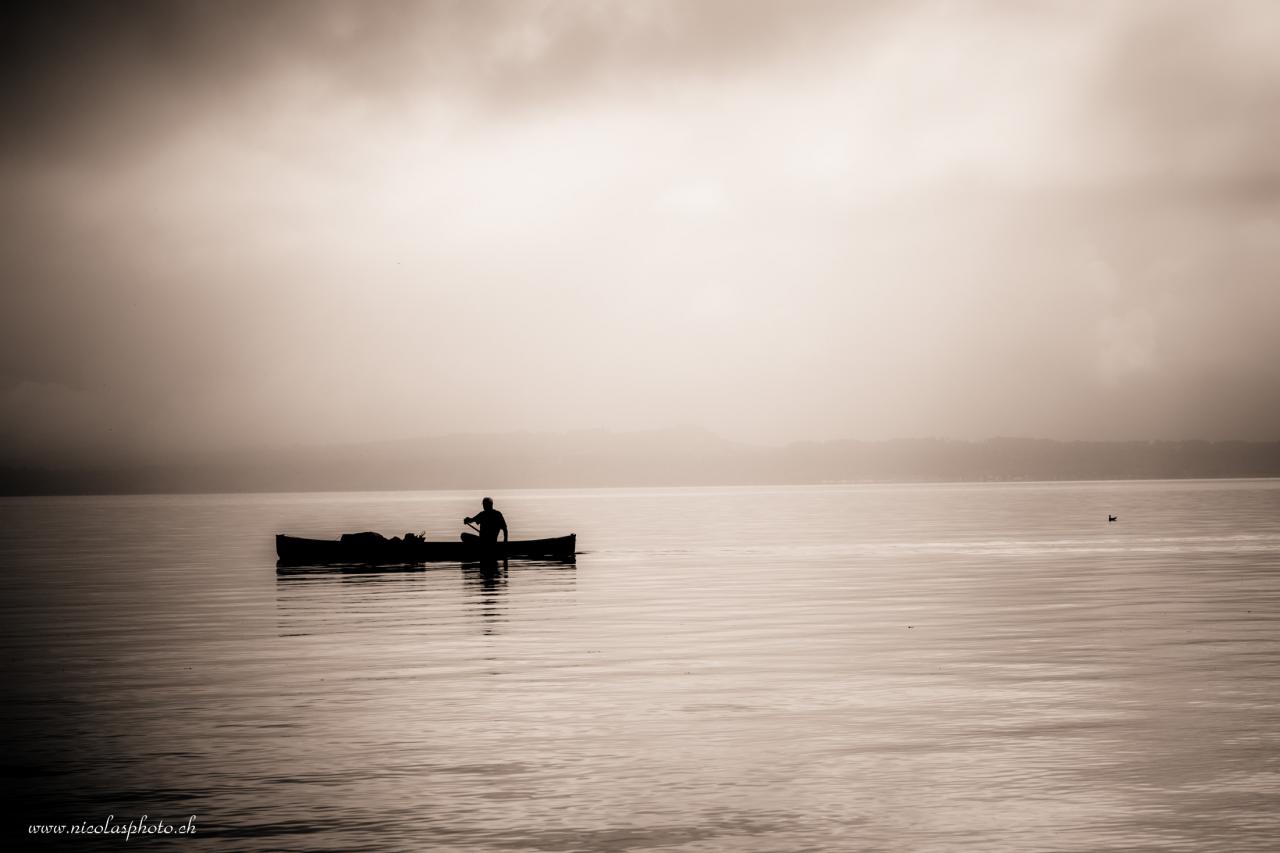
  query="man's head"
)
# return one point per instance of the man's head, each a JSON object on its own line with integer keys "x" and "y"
{"x": 487, "y": 503}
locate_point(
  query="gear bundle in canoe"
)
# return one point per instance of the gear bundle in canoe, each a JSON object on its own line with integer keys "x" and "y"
{"x": 373, "y": 549}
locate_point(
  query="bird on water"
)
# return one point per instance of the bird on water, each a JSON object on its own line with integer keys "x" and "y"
{"x": 1111, "y": 518}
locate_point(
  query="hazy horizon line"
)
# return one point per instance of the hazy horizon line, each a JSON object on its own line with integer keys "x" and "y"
{"x": 514, "y": 489}
{"x": 603, "y": 458}
{"x": 135, "y": 459}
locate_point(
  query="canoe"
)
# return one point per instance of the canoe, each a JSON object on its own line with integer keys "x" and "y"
{"x": 372, "y": 550}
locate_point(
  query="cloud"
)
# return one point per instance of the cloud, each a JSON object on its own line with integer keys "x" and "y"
{"x": 263, "y": 222}
{"x": 1189, "y": 100}
{"x": 108, "y": 76}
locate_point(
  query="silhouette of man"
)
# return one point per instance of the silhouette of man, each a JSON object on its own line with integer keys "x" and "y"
{"x": 490, "y": 521}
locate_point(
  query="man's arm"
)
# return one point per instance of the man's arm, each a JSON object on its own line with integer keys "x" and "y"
{"x": 505, "y": 537}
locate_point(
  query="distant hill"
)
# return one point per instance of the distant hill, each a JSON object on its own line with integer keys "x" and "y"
{"x": 664, "y": 457}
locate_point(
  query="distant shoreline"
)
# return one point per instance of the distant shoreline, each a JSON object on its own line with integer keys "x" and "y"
{"x": 514, "y": 490}
{"x": 663, "y": 459}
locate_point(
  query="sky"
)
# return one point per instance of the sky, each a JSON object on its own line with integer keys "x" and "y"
{"x": 233, "y": 224}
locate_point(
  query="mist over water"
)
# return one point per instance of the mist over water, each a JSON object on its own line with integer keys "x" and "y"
{"x": 908, "y": 668}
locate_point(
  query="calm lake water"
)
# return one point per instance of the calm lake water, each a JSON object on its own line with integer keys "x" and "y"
{"x": 881, "y": 668}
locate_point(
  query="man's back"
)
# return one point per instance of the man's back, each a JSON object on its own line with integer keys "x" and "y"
{"x": 491, "y": 524}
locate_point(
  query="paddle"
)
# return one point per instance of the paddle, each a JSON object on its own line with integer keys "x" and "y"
{"x": 477, "y": 530}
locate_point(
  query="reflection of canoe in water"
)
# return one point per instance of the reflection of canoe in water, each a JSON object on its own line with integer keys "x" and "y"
{"x": 370, "y": 549}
